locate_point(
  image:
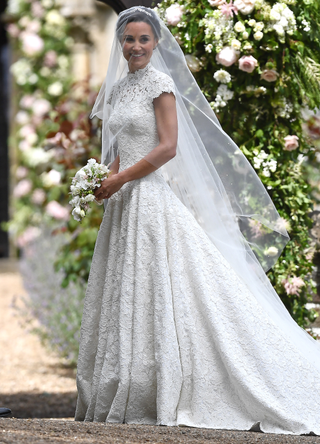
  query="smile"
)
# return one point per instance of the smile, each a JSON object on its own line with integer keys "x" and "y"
{"x": 136, "y": 55}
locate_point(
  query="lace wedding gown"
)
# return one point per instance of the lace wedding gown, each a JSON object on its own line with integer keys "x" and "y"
{"x": 170, "y": 333}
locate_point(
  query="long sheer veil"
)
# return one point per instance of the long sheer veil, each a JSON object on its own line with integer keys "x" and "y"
{"x": 213, "y": 179}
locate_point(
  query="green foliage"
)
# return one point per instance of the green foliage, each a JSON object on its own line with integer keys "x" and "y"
{"x": 258, "y": 111}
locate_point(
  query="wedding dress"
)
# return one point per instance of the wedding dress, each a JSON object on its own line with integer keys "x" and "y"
{"x": 171, "y": 334}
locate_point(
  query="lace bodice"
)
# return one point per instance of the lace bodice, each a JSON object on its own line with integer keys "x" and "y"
{"x": 133, "y": 118}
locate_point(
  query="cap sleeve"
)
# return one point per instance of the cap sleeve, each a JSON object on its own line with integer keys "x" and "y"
{"x": 162, "y": 83}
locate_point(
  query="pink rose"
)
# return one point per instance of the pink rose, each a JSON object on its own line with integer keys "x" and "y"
{"x": 22, "y": 188}
{"x": 38, "y": 196}
{"x": 291, "y": 143}
{"x": 227, "y": 56}
{"x": 50, "y": 59}
{"x": 174, "y": 14}
{"x": 270, "y": 75}
{"x": 54, "y": 209}
{"x": 40, "y": 107}
{"x": 37, "y": 9}
{"x": 13, "y": 30}
{"x": 31, "y": 43}
{"x": 30, "y": 234}
{"x": 248, "y": 63}
{"x": 27, "y": 101}
{"x": 21, "y": 172}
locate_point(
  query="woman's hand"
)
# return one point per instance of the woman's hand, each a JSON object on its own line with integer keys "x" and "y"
{"x": 109, "y": 186}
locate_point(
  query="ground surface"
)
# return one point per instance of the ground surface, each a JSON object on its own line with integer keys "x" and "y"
{"x": 40, "y": 392}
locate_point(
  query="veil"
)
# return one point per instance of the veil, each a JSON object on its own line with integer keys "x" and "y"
{"x": 211, "y": 177}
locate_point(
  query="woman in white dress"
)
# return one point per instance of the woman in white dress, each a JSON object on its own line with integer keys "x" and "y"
{"x": 181, "y": 325}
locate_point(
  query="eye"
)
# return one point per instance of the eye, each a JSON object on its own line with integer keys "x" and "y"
{"x": 145, "y": 39}
{"x": 128, "y": 39}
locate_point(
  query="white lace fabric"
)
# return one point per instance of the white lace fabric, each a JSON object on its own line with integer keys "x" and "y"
{"x": 170, "y": 333}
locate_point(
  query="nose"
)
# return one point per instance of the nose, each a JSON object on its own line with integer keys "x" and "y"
{"x": 136, "y": 45}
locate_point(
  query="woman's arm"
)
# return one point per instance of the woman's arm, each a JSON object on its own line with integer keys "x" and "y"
{"x": 167, "y": 127}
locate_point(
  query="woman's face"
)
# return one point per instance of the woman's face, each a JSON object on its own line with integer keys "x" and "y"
{"x": 138, "y": 43}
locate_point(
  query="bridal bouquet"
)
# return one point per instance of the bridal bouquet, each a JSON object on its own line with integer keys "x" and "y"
{"x": 83, "y": 184}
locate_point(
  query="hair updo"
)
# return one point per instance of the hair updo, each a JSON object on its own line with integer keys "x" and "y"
{"x": 138, "y": 14}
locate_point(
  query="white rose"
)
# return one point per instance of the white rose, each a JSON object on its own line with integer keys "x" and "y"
{"x": 258, "y": 35}
{"x": 22, "y": 118}
{"x": 259, "y": 26}
{"x": 252, "y": 23}
{"x": 50, "y": 179}
{"x": 222, "y": 76}
{"x": 239, "y": 27}
{"x": 31, "y": 43}
{"x": 279, "y": 29}
{"x": 89, "y": 198}
{"x": 40, "y": 107}
{"x": 245, "y": 35}
{"x": 54, "y": 18}
{"x": 245, "y": 6}
{"x": 55, "y": 89}
{"x": 236, "y": 44}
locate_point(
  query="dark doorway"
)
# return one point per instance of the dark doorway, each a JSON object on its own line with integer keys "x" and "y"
{"x": 4, "y": 122}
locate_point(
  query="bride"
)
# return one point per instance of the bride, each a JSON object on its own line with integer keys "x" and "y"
{"x": 181, "y": 326}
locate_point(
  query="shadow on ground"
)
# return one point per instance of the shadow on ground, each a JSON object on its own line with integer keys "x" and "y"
{"x": 40, "y": 404}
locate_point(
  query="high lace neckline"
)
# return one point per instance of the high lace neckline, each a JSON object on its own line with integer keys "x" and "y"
{"x": 139, "y": 72}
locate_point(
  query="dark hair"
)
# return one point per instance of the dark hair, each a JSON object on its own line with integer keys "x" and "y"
{"x": 139, "y": 14}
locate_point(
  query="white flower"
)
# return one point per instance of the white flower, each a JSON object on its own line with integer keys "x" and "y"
{"x": 89, "y": 198}
{"x": 91, "y": 162}
{"x": 54, "y": 18}
{"x": 271, "y": 251}
{"x": 225, "y": 93}
{"x": 222, "y": 76}
{"x": 38, "y": 196}
{"x": 174, "y": 14}
{"x": 209, "y": 48}
{"x": 258, "y": 35}
{"x": 259, "y": 26}
{"x": 40, "y": 107}
{"x": 245, "y": 35}
{"x": 78, "y": 214}
{"x": 22, "y": 188}
{"x": 63, "y": 61}
{"x": 47, "y": 3}
{"x": 22, "y": 118}
{"x": 236, "y": 44}
{"x": 14, "y": 6}
{"x": 282, "y": 20}
{"x": 239, "y": 27}
{"x": 245, "y": 6}
{"x": 32, "y": 44}
{"x": 55, "y": 89}
{"x": 36, "y": 156}
{"x": 50, "y": 179}
{"x": 252, "y": 23}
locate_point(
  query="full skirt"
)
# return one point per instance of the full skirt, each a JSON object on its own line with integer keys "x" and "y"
{"x": 172, "y": 335}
